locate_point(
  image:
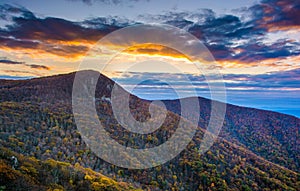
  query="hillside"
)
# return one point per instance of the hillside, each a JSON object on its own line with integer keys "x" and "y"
{"x": 271, "y": 135}
{"x": 32, "y": 174}
{"x": 36, "y": 120}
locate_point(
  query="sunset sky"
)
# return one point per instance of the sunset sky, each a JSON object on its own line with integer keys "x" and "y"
{"x": 256, "y": 44}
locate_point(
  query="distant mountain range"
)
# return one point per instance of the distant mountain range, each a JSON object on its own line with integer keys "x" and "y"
{"x": 255, "y": 150}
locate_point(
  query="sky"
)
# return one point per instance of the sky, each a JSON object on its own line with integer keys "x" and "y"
{"x": 255, "y": 45}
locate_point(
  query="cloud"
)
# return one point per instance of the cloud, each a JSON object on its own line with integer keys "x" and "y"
{"x": 107, "y": 24}
{"x": 34, "y": 66}
{"x": 152, "y": 49}
{"x": 7, "y": 12}
{"x": 50, "y": 30}
{"x": 218, "y": 33}
{"x": 280, "y": 80}
{"x": 223, "y": 34}
{"x": 258, "y": 51}
{"x": 279, "y": 15}
{"x": 49, "y": 35}
{"x": 109, "y": 2}
{"x": 155, "y": 85}
{"x": 5, "y": 61}
{"x": 230, "y": 38}
{"x": 290, "y": 78}
{"x": 40, "y": 67}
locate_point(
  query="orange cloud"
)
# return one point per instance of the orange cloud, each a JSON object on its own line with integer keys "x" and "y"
{"x": 155, "y": 50}
{"x": 69, "y": 51}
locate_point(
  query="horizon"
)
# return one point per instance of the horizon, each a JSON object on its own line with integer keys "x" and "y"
{"x": 166, "y": 93}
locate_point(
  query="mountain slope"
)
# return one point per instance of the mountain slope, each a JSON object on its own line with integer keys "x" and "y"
{"x": 36, "y": 120}
{"x": 271, "y": 135}
{"x": 32, "y": 174}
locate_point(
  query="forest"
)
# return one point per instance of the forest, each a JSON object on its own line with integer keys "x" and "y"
{"x": 256, "y": 149}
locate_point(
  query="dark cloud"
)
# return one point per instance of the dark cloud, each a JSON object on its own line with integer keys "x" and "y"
{"x": 13, "y": 43}
{"x": 51, "y": 29}
{"x": 6, "y": 12}
{"x": 279, "y": 15}
{"x": 5, "y": 61}
{"x": 218, "y": 34}
{"x": 34, "y": 66}
{"x": 257, "y": 51}
{"x": 51, "y": 35}
{"x": 40, "y": 67}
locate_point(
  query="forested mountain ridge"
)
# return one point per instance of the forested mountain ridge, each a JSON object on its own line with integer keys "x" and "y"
{"x": 271, "y": 135}
{"x": 36, "y": 120}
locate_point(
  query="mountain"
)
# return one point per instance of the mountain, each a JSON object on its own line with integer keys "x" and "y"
{"x": 252, "y": 152}
{"x": 271, "y": 135}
